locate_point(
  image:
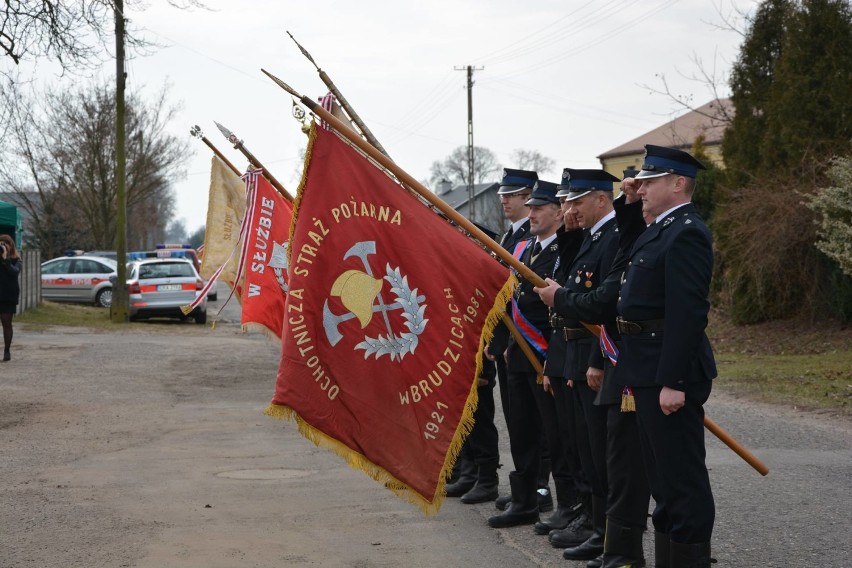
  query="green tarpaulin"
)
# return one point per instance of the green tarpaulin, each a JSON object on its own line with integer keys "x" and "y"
{"x": 10, "y": 222}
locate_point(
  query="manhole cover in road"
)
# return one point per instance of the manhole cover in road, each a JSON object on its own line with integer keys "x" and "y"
{"x": 265, "y": 473}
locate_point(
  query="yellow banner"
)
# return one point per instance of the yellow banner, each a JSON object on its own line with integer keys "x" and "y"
{"x": 225, "y": 209}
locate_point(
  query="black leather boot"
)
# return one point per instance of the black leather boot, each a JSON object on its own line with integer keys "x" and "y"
{"x": 523, "y": 510}
{"x": 594, "y": 546}
{"x": 623, "y": 546}
{"x": 466, "y": 480}
{"x": 662, "y": 550}
{"x": 690, "y": 555}
{"x": 568, "y": 508}
{"x": 502, "y": 502}
{"x": 578, "y": 531}
{"x": 485, "y": 488}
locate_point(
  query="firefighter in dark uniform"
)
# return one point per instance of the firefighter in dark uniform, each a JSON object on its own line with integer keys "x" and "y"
{"x": 575, "y": 494}
{"x": 666, "y": 357}
{"x": 589, "y": 193}
{"x": 514, "y": 191}
{"x": 530, "y": 410}
{"x": 628, "y": 494}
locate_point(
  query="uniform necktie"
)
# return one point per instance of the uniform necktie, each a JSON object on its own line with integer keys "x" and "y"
{"x": 536, "y": 249}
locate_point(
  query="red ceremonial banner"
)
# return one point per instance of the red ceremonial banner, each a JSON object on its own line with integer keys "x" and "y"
{"x": 388, "y": 311}
{"x": 264, "y": 255}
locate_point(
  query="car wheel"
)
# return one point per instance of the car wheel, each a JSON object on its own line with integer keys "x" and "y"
{"x": 201, "y": 317}
{"x": 104, "y": 298}
{"x": 213, "y": 296}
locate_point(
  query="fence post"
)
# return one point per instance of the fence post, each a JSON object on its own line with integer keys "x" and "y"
{"x": 30, "y": 280}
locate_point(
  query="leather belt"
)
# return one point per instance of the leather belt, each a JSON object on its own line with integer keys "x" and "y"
{"x": 636, "y": 327}
{"x": 570, "y": 333}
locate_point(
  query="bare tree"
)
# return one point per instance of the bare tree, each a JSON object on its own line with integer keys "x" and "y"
{"x": 59, "y": 161}
{"x": 75, "y": 34}
{"x": 454, "y": 167}
{"x": 532, "y": 160}
{"x": 733, "y": 19}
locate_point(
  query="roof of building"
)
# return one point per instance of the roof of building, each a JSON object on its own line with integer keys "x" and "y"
{"x": 458, "y": 196}
{"x": 709, "y": 120}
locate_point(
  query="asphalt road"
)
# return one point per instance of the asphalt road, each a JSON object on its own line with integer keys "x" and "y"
{"x": 148, "y": 448}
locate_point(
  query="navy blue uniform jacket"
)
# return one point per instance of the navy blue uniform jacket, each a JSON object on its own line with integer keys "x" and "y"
{"x": 668, "y": 277}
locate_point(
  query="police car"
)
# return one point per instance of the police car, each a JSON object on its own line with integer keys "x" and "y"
{"x": 158, "y": 287}
{"x": 83, "y": 279}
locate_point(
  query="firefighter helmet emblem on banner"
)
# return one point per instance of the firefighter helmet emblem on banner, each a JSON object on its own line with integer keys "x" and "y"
{"x": 360, "y": 292}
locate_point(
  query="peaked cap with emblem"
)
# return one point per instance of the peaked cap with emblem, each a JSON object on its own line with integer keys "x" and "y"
{"x": 544, "y": 192}
{"x": 660, "y": 161}
{"x": 515, "y": 181}
{"x": 577, "y": 183}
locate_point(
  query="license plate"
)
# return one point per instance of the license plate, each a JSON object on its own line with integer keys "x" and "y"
{"x": 166, "y": 287}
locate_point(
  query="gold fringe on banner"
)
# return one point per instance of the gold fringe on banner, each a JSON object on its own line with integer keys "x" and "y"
{"x": 360, "y": 462}
{"x": 466, "y": 421}
{"x": 259, "y": 327}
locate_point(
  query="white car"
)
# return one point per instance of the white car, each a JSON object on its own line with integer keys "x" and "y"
{"x": 83, "y": 279}
{"x": 158, "y": 287}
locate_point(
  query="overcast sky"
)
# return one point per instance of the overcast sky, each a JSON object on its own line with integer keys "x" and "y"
{"x": 564, "y": 77}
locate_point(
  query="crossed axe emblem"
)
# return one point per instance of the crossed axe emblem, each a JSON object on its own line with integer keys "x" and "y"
{"x": 360, "y": 293}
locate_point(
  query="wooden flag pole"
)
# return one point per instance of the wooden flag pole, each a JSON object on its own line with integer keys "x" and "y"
{"x": 196, "y": 132}
{"x": 238, "y": 144}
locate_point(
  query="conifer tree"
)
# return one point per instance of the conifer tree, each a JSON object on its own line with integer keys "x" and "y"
{"x": 790, "y": 87}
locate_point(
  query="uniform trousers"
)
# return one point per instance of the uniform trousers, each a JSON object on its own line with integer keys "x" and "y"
{"x": 592, "y": 447}
{"x": 629, "y": 494}
{"x": 482, "y": 441}
{"x": 563, "y": 397}
{"x": 532, "y": 413}
{"x": 674, "y": 456}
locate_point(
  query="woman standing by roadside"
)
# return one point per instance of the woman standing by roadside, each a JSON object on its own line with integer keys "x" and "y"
{"x": 10, "y": 268}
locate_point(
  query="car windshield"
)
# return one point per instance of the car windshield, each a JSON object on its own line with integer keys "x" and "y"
{"x": 166, "y": 270}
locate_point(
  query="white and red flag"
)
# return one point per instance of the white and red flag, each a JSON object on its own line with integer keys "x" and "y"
{"x": 263, "y": 258}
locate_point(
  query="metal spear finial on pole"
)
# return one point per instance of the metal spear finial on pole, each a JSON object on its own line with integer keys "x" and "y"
{"x": 196, "y": 132}
{"x": 344, "y": 104}
{"x": 238, "y": 145}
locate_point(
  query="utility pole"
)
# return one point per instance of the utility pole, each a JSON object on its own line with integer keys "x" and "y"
{"x": 471, "y": 197}
{"x": 120, "y": 298}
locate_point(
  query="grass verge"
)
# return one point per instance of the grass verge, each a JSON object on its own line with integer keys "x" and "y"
{"x": 795, "y": 362}
{"x": 820, "y": 381}
{"x": 54, "y": 313}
